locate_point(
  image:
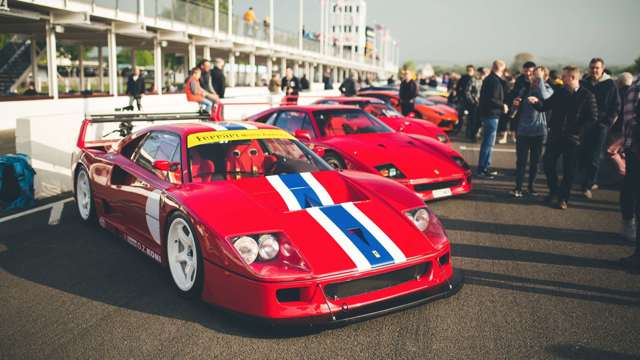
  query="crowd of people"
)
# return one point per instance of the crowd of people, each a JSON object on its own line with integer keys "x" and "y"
{"x": 566, "y": 121}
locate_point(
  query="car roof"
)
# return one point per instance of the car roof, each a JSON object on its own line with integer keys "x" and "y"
{"x": 314, "y": 107}
{"x": 354, "y": 98}
{"x": 381, "y": 92}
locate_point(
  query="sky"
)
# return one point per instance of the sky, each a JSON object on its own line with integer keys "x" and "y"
{"x": 451, "y": 32}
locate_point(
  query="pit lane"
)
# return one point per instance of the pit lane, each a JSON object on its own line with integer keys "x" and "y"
{"x": 539, "y": 283}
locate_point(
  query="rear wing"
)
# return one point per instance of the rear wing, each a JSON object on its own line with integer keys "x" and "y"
{"x": 126, "y": 120}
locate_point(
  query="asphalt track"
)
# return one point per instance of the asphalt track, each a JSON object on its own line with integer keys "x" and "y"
{"x": 539, "y": 283}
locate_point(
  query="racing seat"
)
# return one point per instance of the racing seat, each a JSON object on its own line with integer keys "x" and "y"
{"x": 337, "y": 126}
{"x": 202, "y": 170}
{"x": 246, "y": 159}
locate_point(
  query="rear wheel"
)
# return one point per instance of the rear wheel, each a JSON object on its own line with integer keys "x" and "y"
{"x": 335, "y": 161}
{"x": 84, "y": 197}
{"x": 183, "y": 256}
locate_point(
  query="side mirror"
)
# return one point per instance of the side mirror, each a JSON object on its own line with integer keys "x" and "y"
{"x": 411, "y": 115}
{"x": 303, "y": 135}
{"x": 165, "y": 165}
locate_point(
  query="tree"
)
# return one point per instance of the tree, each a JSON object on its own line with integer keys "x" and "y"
{"x": 519, "y": 60}
{"x": 635, "y": 68}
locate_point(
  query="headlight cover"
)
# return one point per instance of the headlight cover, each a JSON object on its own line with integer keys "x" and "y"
{"x": 255, "y": 248}
{"x": 442, "y": 138}
{"x": 419, "y": 217}
{"x": 460, "y": 161}
{"x": 390, "y": 171}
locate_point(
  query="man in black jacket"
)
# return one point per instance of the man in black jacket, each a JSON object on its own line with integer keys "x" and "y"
{"x": 348, "y": 86}
{"x": 135, "y": 88}
{"x": 408, "y": 93}
{"x": 205, "y": 81}
{"x": 217, "y": 78}
{"x": 489, "y": 110}
{"x": 468, "y": 98}
{"x": 608, "y": 99}
{"x": 574, "y": 109}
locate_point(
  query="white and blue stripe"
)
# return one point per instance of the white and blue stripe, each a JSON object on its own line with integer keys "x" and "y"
{"x": 360, "y": 238}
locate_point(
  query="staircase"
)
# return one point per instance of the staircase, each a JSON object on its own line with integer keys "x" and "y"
{"x": 15, "y": 59}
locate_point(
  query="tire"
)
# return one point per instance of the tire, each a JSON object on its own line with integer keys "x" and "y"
{"x": 184, "y": 258}
{"x": 335, "y": 161}
{"x": 84, "y": 197}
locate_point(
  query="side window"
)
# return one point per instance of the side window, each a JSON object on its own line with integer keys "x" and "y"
{"x": 294, "y": 120}
{"x": 130, "y": 148}
{"x": 160, "y": 146}
{"x": 266, "y": 117}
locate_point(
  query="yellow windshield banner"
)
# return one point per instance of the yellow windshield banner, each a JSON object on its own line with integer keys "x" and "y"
{"x": 210, "y": 137}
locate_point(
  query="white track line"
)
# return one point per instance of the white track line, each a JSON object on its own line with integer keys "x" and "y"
{"x": 56, "y": 213}
{"x": 34, "y": 210}
{"x": 494, "y": 149}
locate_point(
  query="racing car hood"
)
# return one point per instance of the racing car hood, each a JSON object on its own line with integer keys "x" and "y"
{"x": 415, "y": 157}
{"x": 350, "y": 229}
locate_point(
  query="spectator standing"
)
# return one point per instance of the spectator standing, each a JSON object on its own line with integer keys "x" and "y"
{"x": 522, "y": 83}
{"x": 290, "y": 85}
{"x": 531, "y": 130}
{"x": 348, "y": 86}
{"x": 606, "y": 93}
{"x": 217, "y": 78}
{"x": 31, "y": 90}
{"x": 135, "y": 88}
{"x": 467, "y": 94}
{"x": 391, "y": 80}
{"x": 274, "y": 85}
{"x": 507, "y": 123}
{"x": 490, "y": 108}
{"x": 266, "y": 25}
{"x": 473, "y": 121}
{"x": 573, "y": 109}
{"x": 195, "y": 93}
{"x": 407, "y": 93}
{"x": 326, "y": 80}
{"x": 630, "y": 193}
{"x": 615, "y": 139}
{"x": 304, "y": 83}
{"x": 249, "y": 18}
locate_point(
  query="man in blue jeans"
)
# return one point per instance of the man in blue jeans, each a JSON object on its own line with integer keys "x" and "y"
{"x": 490, "y": 108}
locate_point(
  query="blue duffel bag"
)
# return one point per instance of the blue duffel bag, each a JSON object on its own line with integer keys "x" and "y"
{"x": 16, "y": 182}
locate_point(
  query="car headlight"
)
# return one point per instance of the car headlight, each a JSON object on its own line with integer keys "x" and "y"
{"x": 460, "y": 161}
{"x": 247, "y": 248}
{"x": 442, "y": 138}
{"x": 420, "y": 218}
{"x": 259, "y": 247}
{"x": 268, "y": 247}
{"x": 390, "y": 171}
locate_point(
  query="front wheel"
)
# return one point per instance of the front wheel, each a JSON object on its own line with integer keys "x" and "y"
{"x": 183, "y": 256}
{"x": 84, "y": 197}
{"x": 335, "y": 161}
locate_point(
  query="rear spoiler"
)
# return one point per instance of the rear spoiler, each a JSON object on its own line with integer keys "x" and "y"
{"x": 126, "y": 121}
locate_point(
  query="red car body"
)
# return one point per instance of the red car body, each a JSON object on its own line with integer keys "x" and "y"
{"x": 388, "y": 115}
{"x": 429, "y": 168}
{"x": 444, "y": 116}
{"x": 322, "y": 272}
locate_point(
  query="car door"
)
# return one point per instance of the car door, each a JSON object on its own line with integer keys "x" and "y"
{"x": 140, "y": 186}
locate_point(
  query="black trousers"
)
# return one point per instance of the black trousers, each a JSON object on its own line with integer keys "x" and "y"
{"x": 472, "y": 122}
{"x": 630, "y": 193}
{"x": 406, "y": 108}
{"x": 595, "y": 139}
{"x": 527, "y": 147}
{"x": 569, "y": 153}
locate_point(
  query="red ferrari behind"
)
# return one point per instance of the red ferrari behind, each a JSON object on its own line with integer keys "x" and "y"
{"x": 444, "y": 116}
{"x": 244, "y": 216}
{"x": 388, "y": 115}
{"x": 349, "y": 138}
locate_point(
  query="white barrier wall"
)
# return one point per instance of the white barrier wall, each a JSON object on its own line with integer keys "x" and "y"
{"x": 47, "y": 130}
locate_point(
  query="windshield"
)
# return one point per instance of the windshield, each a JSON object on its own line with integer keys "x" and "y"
{"x": 237, "y": 159}
{"x": 348, "y": 122}
{"x": 381, "y": 110}
{"x": 423, "y": 101}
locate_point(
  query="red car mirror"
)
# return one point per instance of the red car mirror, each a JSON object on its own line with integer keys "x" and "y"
{"x": 303, "y": 135}
{"x": 165, "y": 165}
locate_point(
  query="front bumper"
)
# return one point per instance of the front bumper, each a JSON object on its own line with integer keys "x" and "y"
{"x": 433, "y": 189}
{"x": 264, "y": 300}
